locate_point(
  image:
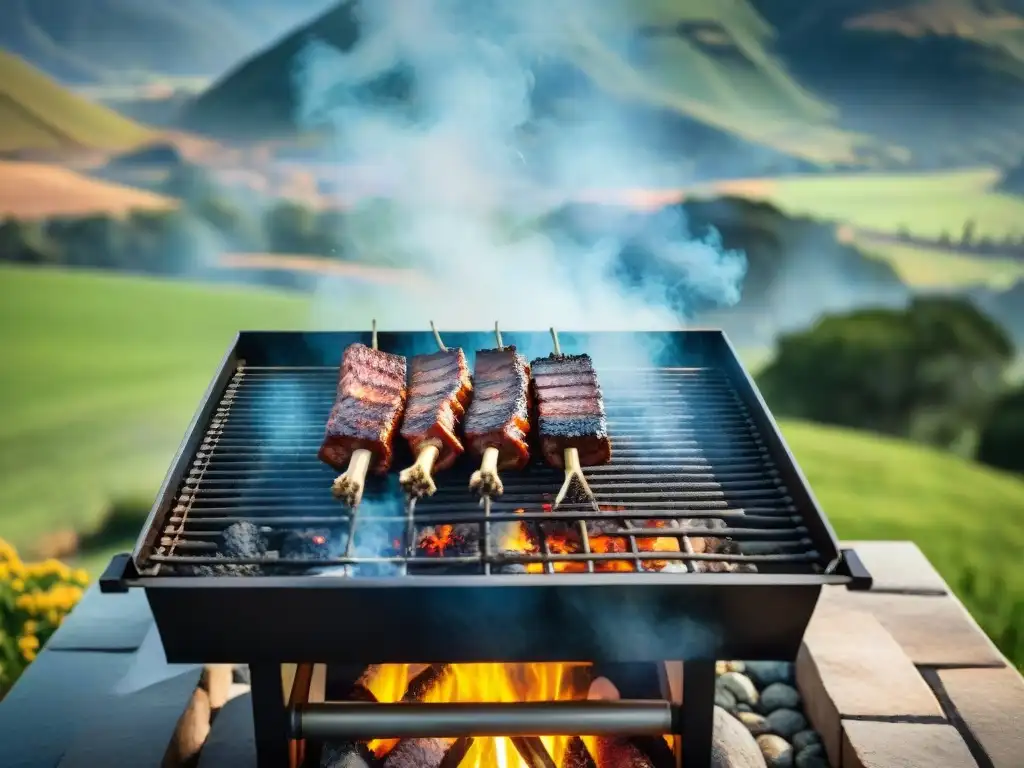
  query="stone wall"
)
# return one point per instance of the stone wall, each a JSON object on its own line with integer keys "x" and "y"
{"x": 903, "y": 676}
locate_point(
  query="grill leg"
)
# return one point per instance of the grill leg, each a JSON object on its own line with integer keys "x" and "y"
{"x": 698, "y": 713}
{"x": 269, "y": 716}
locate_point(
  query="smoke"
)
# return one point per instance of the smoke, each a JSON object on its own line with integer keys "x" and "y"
{"x": 436, "y": 96}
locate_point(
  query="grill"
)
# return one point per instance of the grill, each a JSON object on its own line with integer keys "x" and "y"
{"x": 697, "y": 461}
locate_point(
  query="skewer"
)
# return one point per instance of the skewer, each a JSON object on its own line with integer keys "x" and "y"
{"x": 417, "y": 481}
{"x": 485, "y": 481}
{"x": 574, "y": 478}
{"x": 349, "y": 485}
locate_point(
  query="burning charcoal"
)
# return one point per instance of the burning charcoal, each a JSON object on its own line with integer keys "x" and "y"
{"x": 417, "y": 753}
{"x": 345, "y": 754}
{"x": 511, "y": 567}
{"x": 307, "y": 544}
{"x": 577, "y": 756}
{"x": 237, "y": 540}
{"x": 459, "y": 540}
{"x": 620, "y": 752}
{"x": 425, "y": 682}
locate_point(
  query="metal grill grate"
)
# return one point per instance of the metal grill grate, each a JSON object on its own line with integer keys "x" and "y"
{"x": 688, "y": 465}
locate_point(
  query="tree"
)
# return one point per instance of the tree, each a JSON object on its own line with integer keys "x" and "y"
{"x": 1001, "y": 438}
{"x": 291, "y": 228}
{"x": 26, "y": 241}
{"x": 967, "y": 236}
{"x": 928, "y": 372}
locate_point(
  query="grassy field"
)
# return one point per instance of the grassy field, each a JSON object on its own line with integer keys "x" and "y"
{"x": 38, "y": 113}
{"x": 928, "y": 268}
{"x": 926, "y": 204}
{"x": 101, "y": 376}
{"x": 103, "y": 373}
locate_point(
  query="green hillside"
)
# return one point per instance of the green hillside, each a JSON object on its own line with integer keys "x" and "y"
{"x": 36, "y": 113}
{"x": 103, "y": 373}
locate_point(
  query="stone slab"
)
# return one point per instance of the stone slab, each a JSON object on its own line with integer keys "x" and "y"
{"x": 990, "y": 703}
{"x": 116, "y": 622}
{"x": 232, "y": 741}
{"x": 133, "y": 728}
{"x": 869, "y": 744}
{"x": 58, "y": 692}
{"x": 934, "y": 631}
{"x": 898, "y": 566}
{"x": 850, "y": 666}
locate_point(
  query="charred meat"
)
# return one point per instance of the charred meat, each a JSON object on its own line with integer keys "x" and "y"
{"x": 498, "y": 421}
{"x": 439, "y": 390}
{"x": 367, "y": 410}
{"x": 570, "y": 410}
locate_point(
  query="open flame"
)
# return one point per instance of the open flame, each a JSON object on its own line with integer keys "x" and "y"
{"x": 524, "y": 538}
{"x": 478, "y": 683}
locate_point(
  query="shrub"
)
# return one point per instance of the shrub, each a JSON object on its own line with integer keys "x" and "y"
{"x": 1001, "y": 442}
{"x": 34, "y": 599}
{"x": 929, "y": 372}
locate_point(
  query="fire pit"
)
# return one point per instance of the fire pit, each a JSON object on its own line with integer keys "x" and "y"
{"x": 707, "y": 545}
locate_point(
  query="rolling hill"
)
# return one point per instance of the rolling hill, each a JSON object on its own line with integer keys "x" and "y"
{"x": 118, "y": 364}
{"x": 836, "y": 84}
{"x": 36, "y": 113}
{"x": 87, "y": 41}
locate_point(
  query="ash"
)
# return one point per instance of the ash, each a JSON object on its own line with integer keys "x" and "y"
{"x": 237, "y": 540}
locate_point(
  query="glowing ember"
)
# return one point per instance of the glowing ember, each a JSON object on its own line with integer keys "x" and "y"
{"x": 319, "y": 540}
{"x": 435, "y": 542}
{"x": 519, "y": 538}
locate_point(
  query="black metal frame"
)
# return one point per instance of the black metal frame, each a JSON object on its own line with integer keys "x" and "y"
{"x": 697, "y": 617}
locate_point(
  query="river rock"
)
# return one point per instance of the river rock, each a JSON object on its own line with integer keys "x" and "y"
{"x": 786, "y": 722}
{"x": 743, "y": 708}
{"x": 777, "y": 752}
{"x": 754, "y": 722}
{"x": 804, "y": 739}
{"x": 740, "y": 686}
{"x": 812, "y": 757}
{"x": 779, "y": 696}
{"x": 725, "y": 699}
{"x": 764, "y": 673}
{"x": 733, "y": 746}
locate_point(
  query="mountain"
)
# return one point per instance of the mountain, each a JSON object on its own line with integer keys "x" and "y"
{"x": 38, "y": 114}
{"x": 931, "y": 83}
{"x": 85, "y": 41}
{"x": 686, "y": 67}
{"x": 944, "y": 79}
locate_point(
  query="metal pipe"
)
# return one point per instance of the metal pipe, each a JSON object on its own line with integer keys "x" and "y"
{"x": 358, "y": 721}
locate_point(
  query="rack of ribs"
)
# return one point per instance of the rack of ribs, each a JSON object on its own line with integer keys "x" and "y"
{"x": 367, "y": 410}
{"x": 571, "y": 420}
{"x": 439, "y": 390}
{"x": 498, "y": 421}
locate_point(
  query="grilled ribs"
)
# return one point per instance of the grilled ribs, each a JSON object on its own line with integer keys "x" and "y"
{"x": 570, "y": 410}
{"x": 367, "y": 409}
{"x": 499, "y": 416}
{"x": 439, "y": 389}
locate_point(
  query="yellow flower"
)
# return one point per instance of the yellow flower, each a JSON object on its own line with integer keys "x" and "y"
{"x": 7, "y": 552}
{"x": 53, "y": 617}
{"x": 28, "y": 655}
{"x": 5, "y": 571}
{"x": 18, "y": 585}
{"x": 26, "y": 603}
{"x": 28, "y": 644}
{"x": 17, "y": 567}
{"x": 29, "y": 628}
{"x": 81, "y": 576}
